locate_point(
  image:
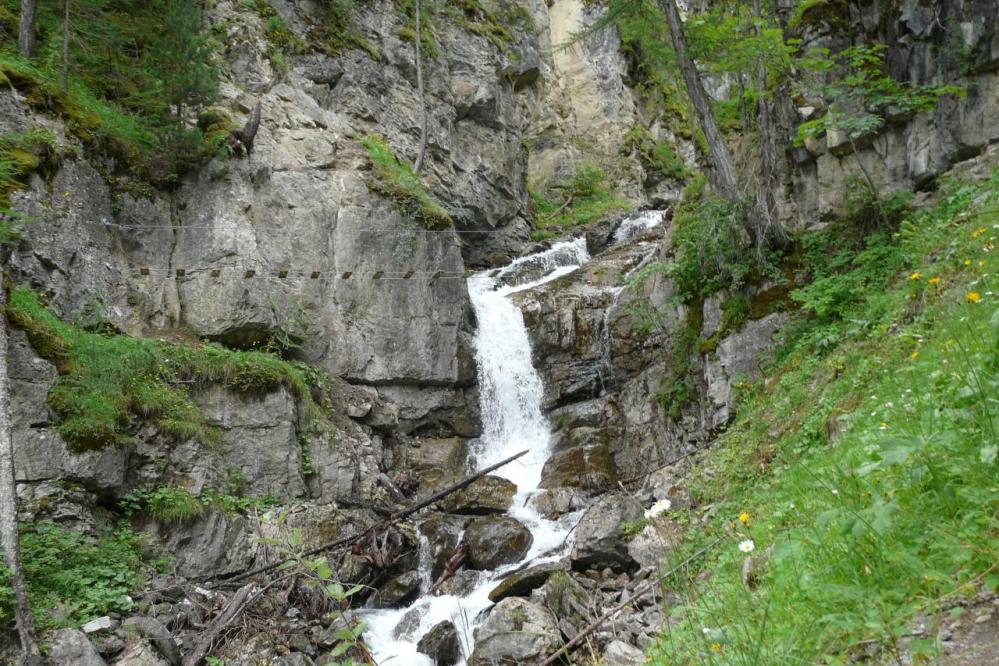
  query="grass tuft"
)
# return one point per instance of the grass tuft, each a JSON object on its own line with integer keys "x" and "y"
{"x": 395, "y": 179}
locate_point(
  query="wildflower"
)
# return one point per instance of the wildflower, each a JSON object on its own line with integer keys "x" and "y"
{"x": 978, "y": 232}
{"x": 981, "y": 263}
{"x": 716, "y": 647}
{"x": 744, "y": 518}
{"x": 747, "y": 546}
{"x": 835, "y": 492}
{"x": 660, "y": 507}
{"x": 915, "y": 276}
{"x": 914, "y": 355}
{"x": 705, "y": 630}
{"x": 967, "y": 262}
{"x": 934, "y": 280}
{"x": 973, "y": 297}
{"x": 883, "y": 426}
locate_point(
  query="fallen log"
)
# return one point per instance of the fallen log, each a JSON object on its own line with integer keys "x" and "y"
{"x": 394, "y": 518}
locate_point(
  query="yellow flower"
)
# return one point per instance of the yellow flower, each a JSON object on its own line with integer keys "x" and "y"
{"x": 716, "y": 647}
{"x": 981, "y": 262}
{"x": 934, "y": 280}
{"x": 914, "y": 355}
{"x": 883, "y": 426}
{"x": 915, "y": 276}
{"x": 744, "y": 518}
{"x": 973, "y": 297}
{"x": 967, "y": 262}
{"x": 978, "y": 232}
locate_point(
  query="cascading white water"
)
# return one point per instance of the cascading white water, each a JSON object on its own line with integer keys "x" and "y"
{"x": 511, "y": 394}
{"x": 637, "y": 224}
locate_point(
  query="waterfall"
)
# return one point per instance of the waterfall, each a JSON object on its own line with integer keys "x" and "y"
{"x": 638, "y": 224}
{"x": 511, "y": 394}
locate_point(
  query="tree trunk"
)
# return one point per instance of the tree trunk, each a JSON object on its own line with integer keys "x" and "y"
{"x": 766, "y": 202}
{"x": 26, "y": 28}
{"x": 723, "y": 169}
{"x": 8, "y": 506}
{"x": 419, "y": 86}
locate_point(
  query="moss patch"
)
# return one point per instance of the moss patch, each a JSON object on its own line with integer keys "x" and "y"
{"x": 108, "y": 382}
{"x": 395, "y": 179}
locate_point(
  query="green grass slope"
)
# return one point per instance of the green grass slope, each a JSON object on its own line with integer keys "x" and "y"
{"x": 863, "y": 465}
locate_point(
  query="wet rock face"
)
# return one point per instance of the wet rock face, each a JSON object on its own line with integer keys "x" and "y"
{"x": 496, "y": 540}
{"x": 517, "y": 631}
{"x": 490, "y": 494}
{"x": 442, "y": 644}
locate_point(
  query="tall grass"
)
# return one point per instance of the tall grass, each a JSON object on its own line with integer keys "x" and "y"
{"x": 865, "y": 460}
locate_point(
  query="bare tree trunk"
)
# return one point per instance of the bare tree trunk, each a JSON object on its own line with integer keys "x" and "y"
{"x": 26, "y": 28}
{"x": 65, "y": 45}
{"x": 419, "y": 86}
{"x": 766, "y": 202}
{"x": 723, "y": 169}
{"x": 8, "y": 507}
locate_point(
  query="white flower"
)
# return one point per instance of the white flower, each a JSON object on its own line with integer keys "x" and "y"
{"x": 660, "y": 507}
{"x": 747, "y": 546}
{"x": 705, "y": 630}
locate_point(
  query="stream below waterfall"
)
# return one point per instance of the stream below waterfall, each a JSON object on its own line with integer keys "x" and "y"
{"x": 511, "y": 395}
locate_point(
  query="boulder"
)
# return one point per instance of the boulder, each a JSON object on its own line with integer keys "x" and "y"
{"x": 490, "y": 494}
{"x": 649, "y": 547}
{"x": 442, "y": 644}
{"x": 154, "y": 631}
{"x": 443, "y": 533}
{"x": 515, "y": 632}
{"x": 139, "y": 653}
{"x": 567, "y": 599}
{"x": 599, "y": 542}
{"x": 522, "y": 583}
{"x": 589, "y": 468}
{"x": 396, "y": 591}
{"x": 556, "y": 502}
{"x": 496, "y": 540}
{"x": 619, "y": 653}
{"x": 70, "y": 646}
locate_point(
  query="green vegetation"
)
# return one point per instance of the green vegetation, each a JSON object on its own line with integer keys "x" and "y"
{"x": 170, "y": 504}
{"x": 129, "y": 79}
{"x": 864, "y": 458}
{"x": 339, "y": 32}
{"x": 74, "y": 578}
{"x": 586, "y": 198}
{"x": 658, "y": 157}
{"x": 863, "y": 95}
{"x": 395, "y": 179}
{"x": 108, "y": 381}
{"x": 492, "y": 20}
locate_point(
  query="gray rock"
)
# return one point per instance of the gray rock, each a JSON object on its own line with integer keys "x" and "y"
{"x": 139, "y": 653}
{"x": 213, "y": 544}
{"x": 599, "y": 542}
{"x": 102, "y": 623}
{"x": 443, "y": 533}
{"x": 496, "y": 540}
{"x": 396, "y": 591}
{"x": 442, "y": 644}
{"x": 588, "y": 468}
{"x": 489, "y": 494}
{"x": 516, "y": 631}
{"x": 69, "y": 646}
{"x": 619, "y": 653}
{"x": 522, "y": 583}
{"x": 563, "y": 594}
{"x": 157, "y": 634}
{"x": 649, "y": 547}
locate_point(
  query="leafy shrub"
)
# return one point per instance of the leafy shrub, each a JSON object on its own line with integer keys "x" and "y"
{"x": 587, "y": 197}
{"x": 73, "y": 578}
{"x": 396, "y": 180}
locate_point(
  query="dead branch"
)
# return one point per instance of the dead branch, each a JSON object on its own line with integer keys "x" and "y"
{"x": 405, "y": 513}
{"x": 247, "y": 135}
{"x": 228, "y": 614}
{"x": 640, "y": 592}
{"x": 450, "y": 568}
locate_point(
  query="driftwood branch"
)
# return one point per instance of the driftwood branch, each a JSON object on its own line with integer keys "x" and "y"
{"x": 453, "y": 563}
{"x": 640, "y": 592}
{"x": 228, "y": 614}
{"x": 405, "y": 513}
